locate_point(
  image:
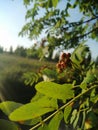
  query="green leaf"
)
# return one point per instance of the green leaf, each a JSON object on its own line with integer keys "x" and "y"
{"x": 26, "y": 2}
{"x": 58, "y": 24}
{"x": 55, "y": 2}
{"x": 8, "y": 125}
{"x": 34, "y": 109}
{"x": 90, "y": 77}
{"x": 73, "y": 117}
{"x": 43, "y": 127}
{"x": 30, "y": 78}
{"x": 83, "y": 85}
{"x": 49, "y": 4}
{"x": 31, "y": 121}
{"x": 8, "y": 106}
{"x": 67, "y": 112}
{"x": 37, "y": 97}
{"x": 94, "y": 96}
{"x": 80, "y": 53}
{"x": 55, "y": 90}
{"x": 76, "y": 120}
{"x": 94, "y": 99}
{"x": 51, "y": 74}
{"x": 55, "y": 121}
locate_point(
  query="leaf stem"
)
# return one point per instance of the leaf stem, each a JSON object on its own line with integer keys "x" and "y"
{"x": 62, "y": 107}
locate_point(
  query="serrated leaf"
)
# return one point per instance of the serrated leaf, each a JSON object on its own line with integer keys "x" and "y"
{"x": 55, "y": 90}
{"x": 34, "y": 109}
{"x": 55, "y": 121}
{"x": 67, "y": 112}
{"x": 8, "y": 106}
{"x": 8, "y": 125}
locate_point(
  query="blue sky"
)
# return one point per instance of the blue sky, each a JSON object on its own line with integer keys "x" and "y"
{"x": 12, "y": 18}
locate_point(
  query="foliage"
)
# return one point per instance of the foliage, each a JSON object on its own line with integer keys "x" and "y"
{"x": 11, "y": 50}
{"x": 55, "y": 22}
{"x": 34, "y": 52}
{"x": 1, "y": 49}
{"x": 96, "y": 61}
{"x": 74, "y": 102}
{"x": 30, "y": 78}
{"x": 9, "y": 125}
{"x": 69, "y": 93}
{"x": 12, "y": 71}
{"x": 20, "y": 51}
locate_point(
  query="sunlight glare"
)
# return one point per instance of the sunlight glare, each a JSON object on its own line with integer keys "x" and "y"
{"x": 5, "y": 38}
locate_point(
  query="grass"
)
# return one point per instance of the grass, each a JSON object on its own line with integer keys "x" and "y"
{"x": 11, "y": 62}
{"x": 11, "y": 70}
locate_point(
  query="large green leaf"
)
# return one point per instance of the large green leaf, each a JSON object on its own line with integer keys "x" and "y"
{"x": 55, "y": 121}
{"x": 8, "y": 106}
{"x": 8, "y": 125}
{"x": 55, "y": 90}
{"x": 34, "y": 109}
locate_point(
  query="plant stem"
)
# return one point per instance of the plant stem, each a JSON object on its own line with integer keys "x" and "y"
{"x": 62, "y": 107}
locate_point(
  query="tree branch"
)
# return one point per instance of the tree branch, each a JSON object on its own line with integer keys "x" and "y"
{"x": 81, "y": 36}
{"x": 78, "y": 23}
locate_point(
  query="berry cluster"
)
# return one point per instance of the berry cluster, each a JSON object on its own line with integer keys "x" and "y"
{"x": 64, "y": 62}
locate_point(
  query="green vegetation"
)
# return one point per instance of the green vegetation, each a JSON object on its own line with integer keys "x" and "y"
{"x": 66, "y": 95}
{"x": 12, "y": 69}
{"x": 9, "y": 62}
{"x": 68, "y": 92}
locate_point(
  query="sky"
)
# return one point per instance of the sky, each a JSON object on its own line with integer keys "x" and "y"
{"x": 12, "y": 19}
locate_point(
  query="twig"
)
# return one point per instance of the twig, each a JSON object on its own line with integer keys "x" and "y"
{"x": 62, "y": 107}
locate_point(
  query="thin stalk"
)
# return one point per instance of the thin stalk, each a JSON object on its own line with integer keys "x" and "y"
{"x": 83, "y": 120}
{"x": 62, "y": 107}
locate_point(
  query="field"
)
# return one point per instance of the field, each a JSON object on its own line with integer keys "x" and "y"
{"x": 11, "y": 70}
{"x": 8, "y": 62}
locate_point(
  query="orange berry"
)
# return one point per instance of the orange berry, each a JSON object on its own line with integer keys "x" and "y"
{"x": 58, "y": 65}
